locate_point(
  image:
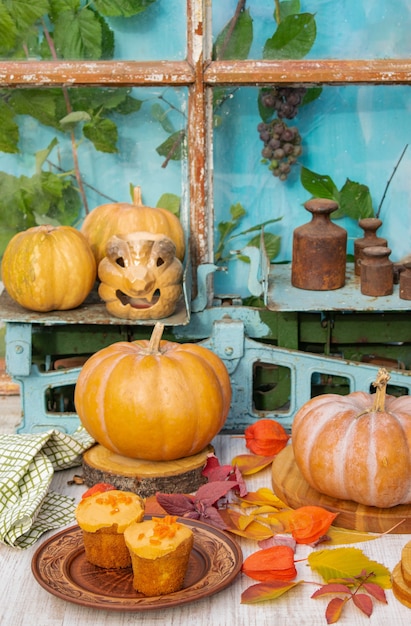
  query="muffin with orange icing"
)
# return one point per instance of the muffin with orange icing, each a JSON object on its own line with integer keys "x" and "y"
{"x": 103, "y": 518}
{"x": 160, "y": 551}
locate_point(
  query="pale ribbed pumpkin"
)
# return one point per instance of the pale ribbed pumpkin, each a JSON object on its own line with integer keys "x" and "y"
{"x": 356, "y": 447}
{"x": 48, "y": 268}
{"x": 122, "y": 218}
{"x": 153, "y": 399}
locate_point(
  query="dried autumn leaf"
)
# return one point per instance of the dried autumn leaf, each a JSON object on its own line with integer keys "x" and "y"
{"x": 275, "y": 563}
{"x": 251, "y": 463}
{"x": 309, "y": 523}
{"x": 363, "y": 602}
{"x": 253, "y": 530}
{"x": 337, "y": 563}
{"x": 262, "y": 592}
{"x": 331, "y": 588}
{"x": 334, "y": 610}
{"x": 376, "y": 592}
{"x": 261, "y": 497}
{"x": 266, "y": 437}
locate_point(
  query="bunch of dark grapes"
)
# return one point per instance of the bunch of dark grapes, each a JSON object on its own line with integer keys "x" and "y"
{"x": 283, "y": 100}
{"x": 282, "y": 146}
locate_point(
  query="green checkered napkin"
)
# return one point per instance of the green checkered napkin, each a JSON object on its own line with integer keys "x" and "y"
{"x": 27, "y": 464}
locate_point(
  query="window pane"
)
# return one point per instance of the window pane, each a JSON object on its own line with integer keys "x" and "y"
{"x": 141, "y": 30}
{"x": 343, "y": 30}
{"x": 120, "y": 138}
{"x": 354, "y": 134}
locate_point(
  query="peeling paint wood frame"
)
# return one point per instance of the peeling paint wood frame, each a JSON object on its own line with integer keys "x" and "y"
{"x": 200, "y": 74}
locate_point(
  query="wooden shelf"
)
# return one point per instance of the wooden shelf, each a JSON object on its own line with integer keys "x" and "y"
{"x": 282, "y": 296}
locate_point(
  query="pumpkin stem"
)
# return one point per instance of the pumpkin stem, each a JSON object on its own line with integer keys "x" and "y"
{"x": 381, "y": 387}
{"x": 137, "y": 199}
{"x": 154, "y": 343}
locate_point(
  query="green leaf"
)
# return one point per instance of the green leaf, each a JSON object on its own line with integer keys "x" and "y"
{"x": 68, "y": 122}
{"x": 40, "y": 104}
{"x": 272, "y": 244}
{"x": 235, "y": 43}
{"x": 293, "y": 39}
{"x": 97, "y": 98}
{"x": 237, "y": 211}
{"x": 83, "y": 39}
{"x": 355, "y": 201}
{"x": 43, "y": 155}
{"x": 129, "y": 105}
{"x": 171, "y": 202}
{"x": 25, "y": 13}
{"x": 124, "y": 8}
{"x": 173, "y": 147}
{"x": 8, "y": 31}
{"x": 159, "y": 114}
{"x": 319, "y": 185}
{"x": 103, "y": 133}
{"x": 289, "y": 7}
{"x": 348, "y": 562}
{"x": 262, "y": 592}
{"x": 9, "y": 130}
{"x": 311, "y": 94}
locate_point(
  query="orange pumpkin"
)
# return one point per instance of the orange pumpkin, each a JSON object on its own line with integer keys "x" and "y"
{"x": 153, "y": 399}
{"x": 121, "y": 218}
{"x": 48, "y": 268}
{"x": 356, "y": 447}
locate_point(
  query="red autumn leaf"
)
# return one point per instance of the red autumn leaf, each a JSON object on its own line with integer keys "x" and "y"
{"x": 276, "y": 563}
{"x": 98, "y": 488}
{"x": 266, "y": 437}
{"x": 334, "y": 610}
{"x": 331, "y": 588}
{"x": 210, "y": 493}
{"x": 266, "y": 591}
{"x": 214, "y": 471}
{"x": 376, "y": 592}
{"x": 363, "y": 602}
{"x": 308, "y": 523}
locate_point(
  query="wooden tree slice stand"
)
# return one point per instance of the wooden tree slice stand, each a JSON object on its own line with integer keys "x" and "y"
{"x": 401, "y": 577}
{"x": 144, "y": 477}
{"x": 290, "y": 486}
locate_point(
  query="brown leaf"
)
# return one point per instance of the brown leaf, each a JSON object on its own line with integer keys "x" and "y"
{"x": 262, "y": 592}
{"x": 331, "y": 588}
{"x": 334, "y": 610}
{"x": 251, "y": 463}
{"x": 363, "y": 602}
{"x": 376, "y": 592}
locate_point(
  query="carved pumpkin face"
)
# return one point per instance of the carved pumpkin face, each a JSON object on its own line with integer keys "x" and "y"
{"x": 141, "y": 277}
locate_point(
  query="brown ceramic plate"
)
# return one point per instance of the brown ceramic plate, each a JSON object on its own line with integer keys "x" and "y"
{"x": 59, "y": 565}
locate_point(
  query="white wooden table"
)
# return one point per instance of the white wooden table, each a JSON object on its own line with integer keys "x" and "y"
{"x": 24, "y": 603}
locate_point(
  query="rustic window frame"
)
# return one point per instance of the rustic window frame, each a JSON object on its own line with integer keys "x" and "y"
{"x": 201, "y": 74}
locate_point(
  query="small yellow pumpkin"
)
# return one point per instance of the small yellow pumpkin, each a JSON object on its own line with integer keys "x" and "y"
{"x": 48, "y": 268}
{"x": 121, "y": 218}
{"x": 356, "y": 447}
{"x": 153, "y": 399}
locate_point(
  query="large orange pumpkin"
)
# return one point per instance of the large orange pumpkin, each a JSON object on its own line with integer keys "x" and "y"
{"x": 122, "y": 218}
{"x": 154, "y": 400}
{"x": 48, "y": 268}
{"x": 356, "y": 447}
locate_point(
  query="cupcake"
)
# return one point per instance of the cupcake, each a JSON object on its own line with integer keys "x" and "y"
{"x": 160, "y": 550}
{"x": 103, "y": 518}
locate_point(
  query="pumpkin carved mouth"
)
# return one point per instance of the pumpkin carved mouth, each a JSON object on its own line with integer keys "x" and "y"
{"x": 138, "y": 303}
